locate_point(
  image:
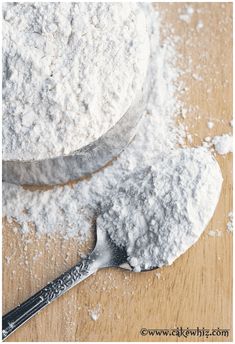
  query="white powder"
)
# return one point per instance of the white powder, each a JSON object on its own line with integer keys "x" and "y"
{"x": 190, "y": 10}
{"x": 159, "y": 211}
{"x": 223, "y": 144}
{"x": 197, "y": 77}
{"x": 216, "y": 233}
{"x": 158, "y": 275}
{"x": 186, "y": 16}
{"x": 95, "y": 313}
{"x": 189, "y": 138}
{"x": 207, "y": 139}
{"x": 200, "y": 25}
{"x": 70, "y": 210}
{"x": 71, "y": 70}
{"x": 210, "y": 125}
{"x": 230, "y": 222}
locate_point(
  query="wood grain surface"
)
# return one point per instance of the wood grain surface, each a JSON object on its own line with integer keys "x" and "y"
{"x": 196, "y": 291}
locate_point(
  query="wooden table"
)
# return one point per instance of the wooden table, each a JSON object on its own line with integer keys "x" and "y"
{"x": 196, "y": 290}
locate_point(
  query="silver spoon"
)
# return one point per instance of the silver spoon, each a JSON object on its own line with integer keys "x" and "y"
{"x": 105, "y": 254}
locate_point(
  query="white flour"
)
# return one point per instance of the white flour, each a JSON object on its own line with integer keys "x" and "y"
{"x": 159, "y": 211}
{"x": 230, "y": 222}
{"x": 70, "y": 210}
{"x": 95, "y": 313}
{"x": 223, "y": 144}
{"x": 216, "y": 233}
{"x": 210, "y": 125}
{"x": 71, "y": 70}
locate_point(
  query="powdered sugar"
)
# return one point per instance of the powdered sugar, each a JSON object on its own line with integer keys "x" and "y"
{"x": 71, "y": 70}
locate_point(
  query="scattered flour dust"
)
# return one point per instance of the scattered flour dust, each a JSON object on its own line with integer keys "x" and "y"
{"x": 71, "y": 210}
{"x": 230, "y": 222}
{"x": 186, "y": 14}
{"x": 200, "y": 25}
{"x": 95, "y": 313}
{"x": 215, "y": 233}
{"x": 158, "y": 275}
{"x": 70, "y": 71}
{"x": 210, "y": 125}
{"x": 223, "y": 144}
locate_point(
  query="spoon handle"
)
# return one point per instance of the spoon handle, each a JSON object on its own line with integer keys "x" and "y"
{"x": 19, "y": 315}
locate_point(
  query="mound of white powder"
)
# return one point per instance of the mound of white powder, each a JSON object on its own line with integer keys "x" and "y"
{"x": 159, "y": 211}
{"x": 70, "y": 71}
{"x": 71, "y": 210}
{"x": 223, "y": 144}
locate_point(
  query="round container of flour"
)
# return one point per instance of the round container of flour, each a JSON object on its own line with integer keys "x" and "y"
{"x": 83, "y": 162}
{"x": 73, "y": 76}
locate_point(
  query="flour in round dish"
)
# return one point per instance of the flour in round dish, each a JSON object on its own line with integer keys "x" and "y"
{"x": 70, "y": 71}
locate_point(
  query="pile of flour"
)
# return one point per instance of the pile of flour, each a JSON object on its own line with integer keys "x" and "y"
{"x": 223, "y": 144}
{"x": 70, "y": 71}
{"x": 71, "y": 210}
{"x": 159, "y": 211}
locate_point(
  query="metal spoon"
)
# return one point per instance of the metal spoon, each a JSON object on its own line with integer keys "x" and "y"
{"x": 105, "y": 254}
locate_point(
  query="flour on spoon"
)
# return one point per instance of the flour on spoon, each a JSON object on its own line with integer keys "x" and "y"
{"x": 161, "y": 210}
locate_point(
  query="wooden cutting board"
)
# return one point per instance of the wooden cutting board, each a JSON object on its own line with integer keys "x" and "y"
{"x": 196, "y": 291}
